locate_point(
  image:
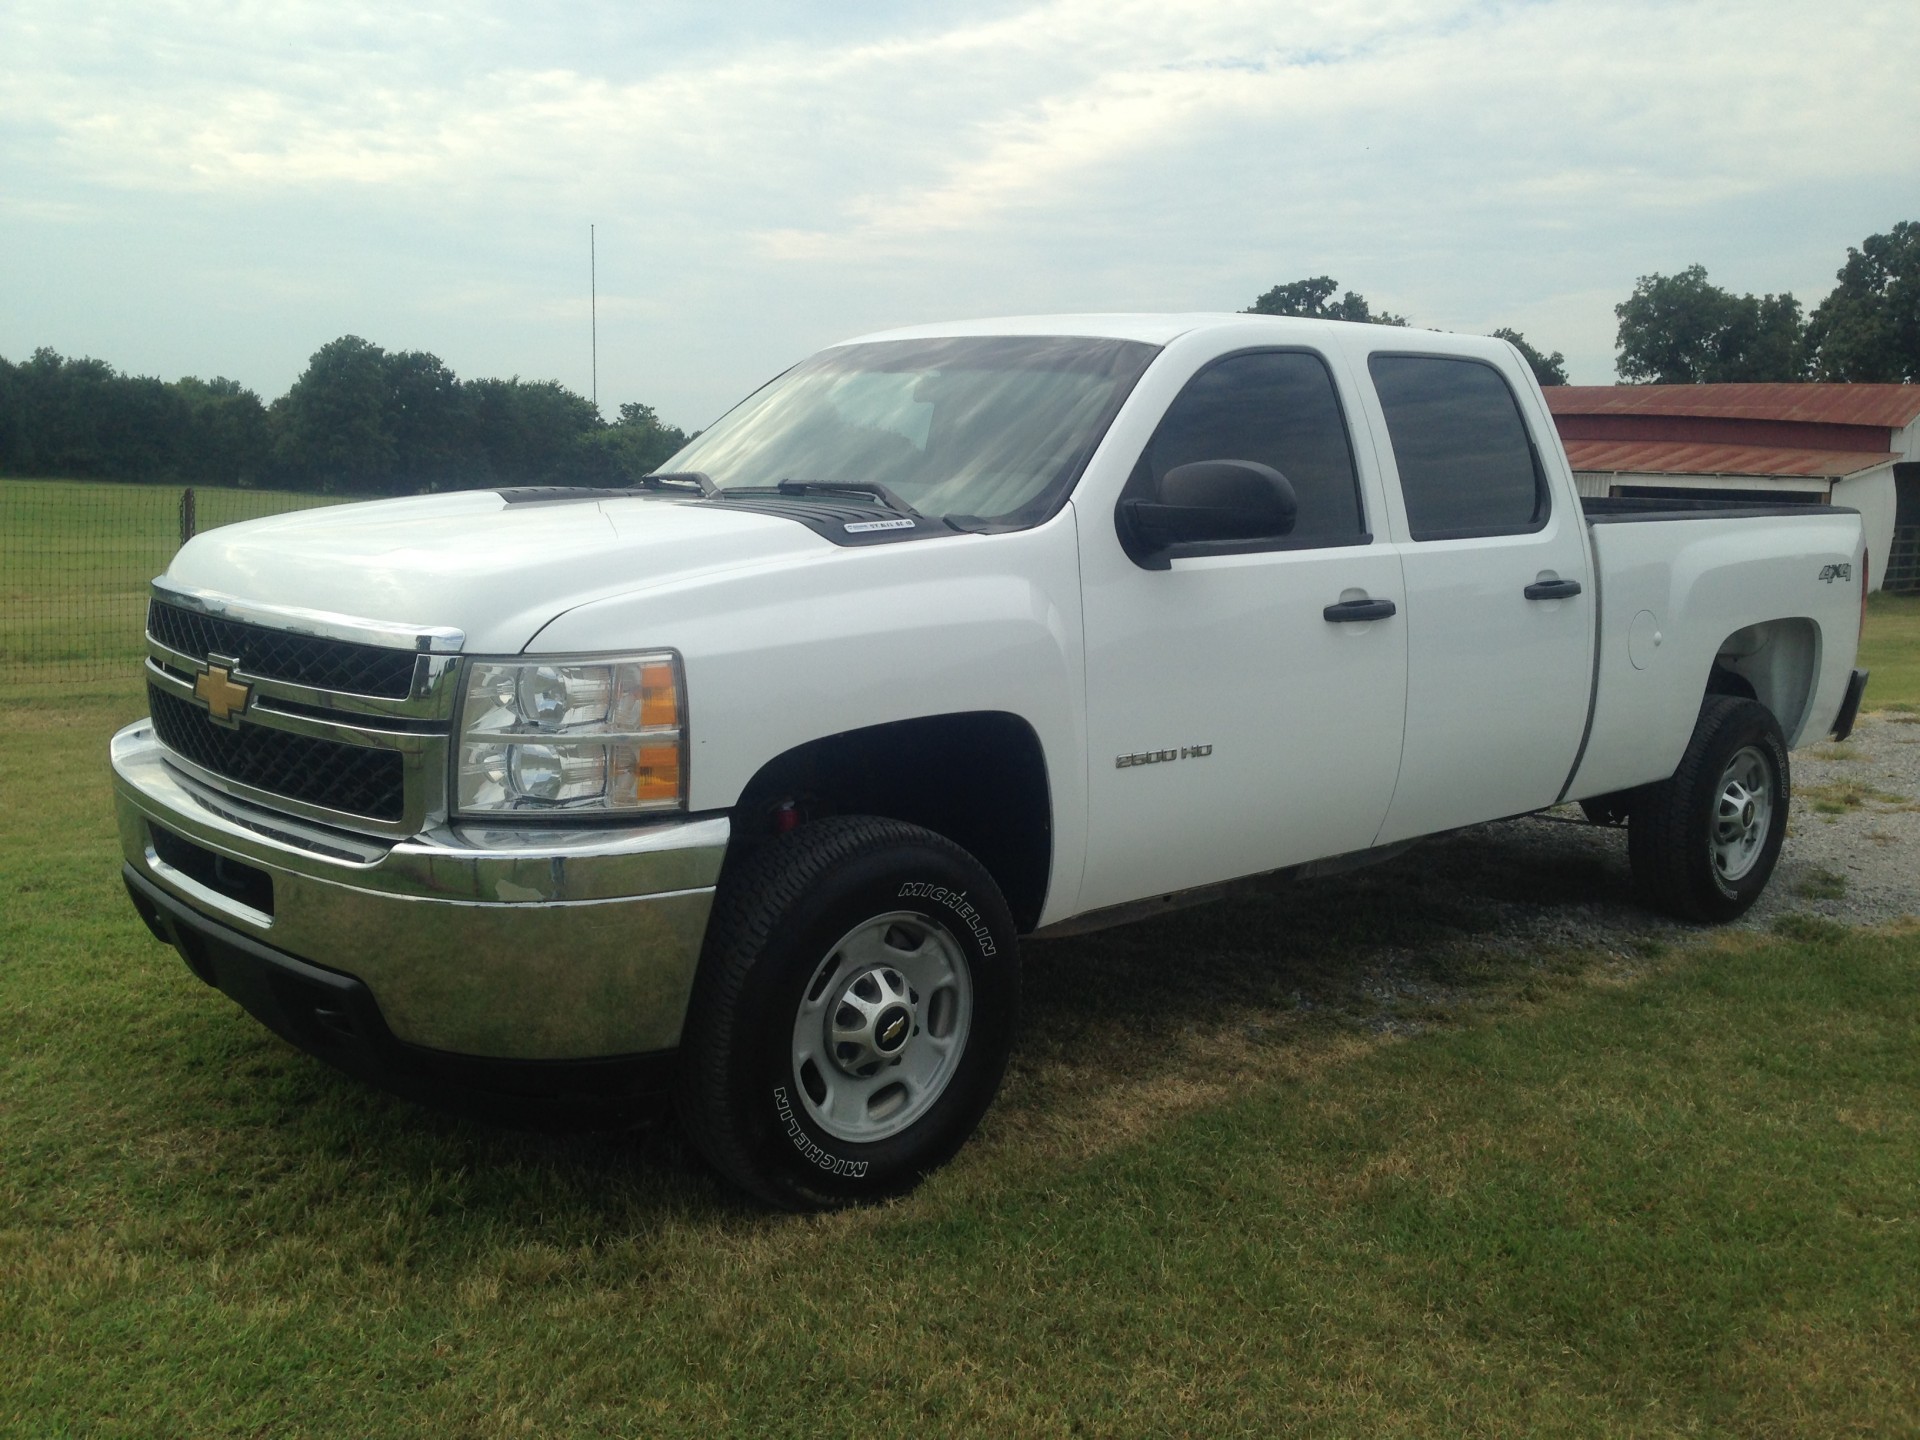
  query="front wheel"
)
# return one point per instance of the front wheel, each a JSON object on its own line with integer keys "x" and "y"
{"x": 1703, "y": 843}
{"x": 853, "y": 1014}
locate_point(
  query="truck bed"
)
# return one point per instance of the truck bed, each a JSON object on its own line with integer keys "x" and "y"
{"x": 1777, "y": 603}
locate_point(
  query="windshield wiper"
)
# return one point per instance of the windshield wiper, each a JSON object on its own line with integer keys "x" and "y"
{"x": 803, "y": 488}
{"x": 678, "y": 480}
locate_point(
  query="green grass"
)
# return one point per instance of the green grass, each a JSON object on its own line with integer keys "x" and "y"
{"x": 1890, "y": 648}
{"x": 1671, "y": 1192}
{"x": 1839, "y": 796}
{"x": 1349, "y": 1160}
{"x": 1821, "y": 884}
{"x": 75, "y": 559}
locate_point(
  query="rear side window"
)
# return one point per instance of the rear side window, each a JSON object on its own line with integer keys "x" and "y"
{"x": 1466, "y": 464}
{"x": 1277, "y": 408}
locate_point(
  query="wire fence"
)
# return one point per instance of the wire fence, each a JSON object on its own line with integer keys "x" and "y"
{"x": 76, "y": 557}
{"x": 1903, "y": 562}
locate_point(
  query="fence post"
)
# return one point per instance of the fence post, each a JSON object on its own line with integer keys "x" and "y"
{"x": 187, "y": 527}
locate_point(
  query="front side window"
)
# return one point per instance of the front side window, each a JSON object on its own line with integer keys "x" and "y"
{"x": 992, "y": 429}
{"x": 1467, "y": 465}
{"x": 1277, "y": 408}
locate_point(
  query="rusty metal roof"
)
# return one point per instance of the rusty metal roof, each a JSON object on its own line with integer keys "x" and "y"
{"x": 1890, "y": 405}
{"x": 1667, "y": 457}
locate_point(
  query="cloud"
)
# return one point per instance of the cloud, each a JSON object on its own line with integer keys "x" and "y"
{"x": 945, "y": 130}
{"x": 828, "y": 171}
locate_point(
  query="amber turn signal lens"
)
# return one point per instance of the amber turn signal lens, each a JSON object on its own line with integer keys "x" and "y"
{"x": 656, "y": 774}
{"x": 659, "y": 696}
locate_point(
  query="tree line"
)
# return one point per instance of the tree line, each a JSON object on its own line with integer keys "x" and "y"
{"x": 359, "y": 420}
{"x": 367, "y": 421}
{"x": 1685, "y": 330}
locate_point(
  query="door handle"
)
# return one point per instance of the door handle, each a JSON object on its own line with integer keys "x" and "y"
{"x": 1350, "y": 610}
{"x": 1552, "y": 590}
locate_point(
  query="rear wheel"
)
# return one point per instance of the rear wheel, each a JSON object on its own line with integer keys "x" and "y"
{"x": 1704, "y": 843}
{"x": 853, "y": 1013}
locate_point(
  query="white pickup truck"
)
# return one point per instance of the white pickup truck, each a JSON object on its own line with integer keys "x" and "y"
{"x": 748, "y": 779}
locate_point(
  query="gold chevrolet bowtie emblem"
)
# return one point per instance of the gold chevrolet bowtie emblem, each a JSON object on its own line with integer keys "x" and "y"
{"x": 225, "y": 697}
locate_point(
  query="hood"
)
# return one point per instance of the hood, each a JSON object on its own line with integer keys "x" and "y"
{"x": 497, "y": 571}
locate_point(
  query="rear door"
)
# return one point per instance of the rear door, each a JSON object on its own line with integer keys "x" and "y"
{"x": 1233, "y": 726}
{"x": 1500, "y": 604}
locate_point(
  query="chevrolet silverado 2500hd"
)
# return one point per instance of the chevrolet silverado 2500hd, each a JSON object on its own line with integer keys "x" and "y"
{"x": 746, "y": 779}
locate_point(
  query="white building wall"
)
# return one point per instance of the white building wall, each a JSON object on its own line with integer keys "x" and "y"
{"x": 1871, "y": 492}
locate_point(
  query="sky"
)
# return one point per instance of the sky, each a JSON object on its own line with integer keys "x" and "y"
{"x": 220, "y": 188}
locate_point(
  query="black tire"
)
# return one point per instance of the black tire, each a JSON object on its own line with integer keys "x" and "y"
{"x": 745, "y": 1098}
{"x": 1683, "y": 861}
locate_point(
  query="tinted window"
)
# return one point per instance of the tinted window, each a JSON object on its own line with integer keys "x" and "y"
{"x": 1276, "y": 408}
{"x": 1466, "y": 467}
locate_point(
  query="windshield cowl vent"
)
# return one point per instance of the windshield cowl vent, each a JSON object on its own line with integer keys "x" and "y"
{"x": 843, "y": 520}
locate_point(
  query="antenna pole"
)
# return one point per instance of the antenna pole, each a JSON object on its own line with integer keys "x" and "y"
{"x": 593, "y": 311}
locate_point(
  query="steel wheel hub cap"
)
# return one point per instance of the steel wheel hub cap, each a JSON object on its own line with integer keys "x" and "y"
{"x": 1743, "y": 813}
{"x": 871, "y": 1021}
{"x": 881, "y": 1026}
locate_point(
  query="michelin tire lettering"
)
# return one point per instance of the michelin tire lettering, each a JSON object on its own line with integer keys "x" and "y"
{"x": 957, "y": 902}
{"x": 812, "y": 1153}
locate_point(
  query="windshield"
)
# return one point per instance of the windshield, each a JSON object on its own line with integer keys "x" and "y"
{"x": 992, "y": 429}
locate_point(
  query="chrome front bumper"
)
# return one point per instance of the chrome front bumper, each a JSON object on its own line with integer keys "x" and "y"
{"x": 516, "y": 944}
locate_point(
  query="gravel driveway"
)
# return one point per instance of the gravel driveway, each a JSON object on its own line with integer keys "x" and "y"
{"x": 1852, "y": 851}
{"x": 1852, "y": 854}
{"x": 1856, "y": 815}
{"x": 1396, "y": 945}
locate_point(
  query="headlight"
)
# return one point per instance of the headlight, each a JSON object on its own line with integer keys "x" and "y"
{"x": 578, "y": 734}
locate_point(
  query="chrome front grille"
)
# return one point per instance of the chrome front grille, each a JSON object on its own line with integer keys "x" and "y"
{"x": 351, "y": 779}
{"x": 344, "y": 721}
{"x": 309, "y": 660}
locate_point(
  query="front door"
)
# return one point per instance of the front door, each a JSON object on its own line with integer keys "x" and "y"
{"x": 1234, "y": 726}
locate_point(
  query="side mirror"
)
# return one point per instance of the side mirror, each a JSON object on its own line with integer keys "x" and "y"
{"x": 1210, "y": 500}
